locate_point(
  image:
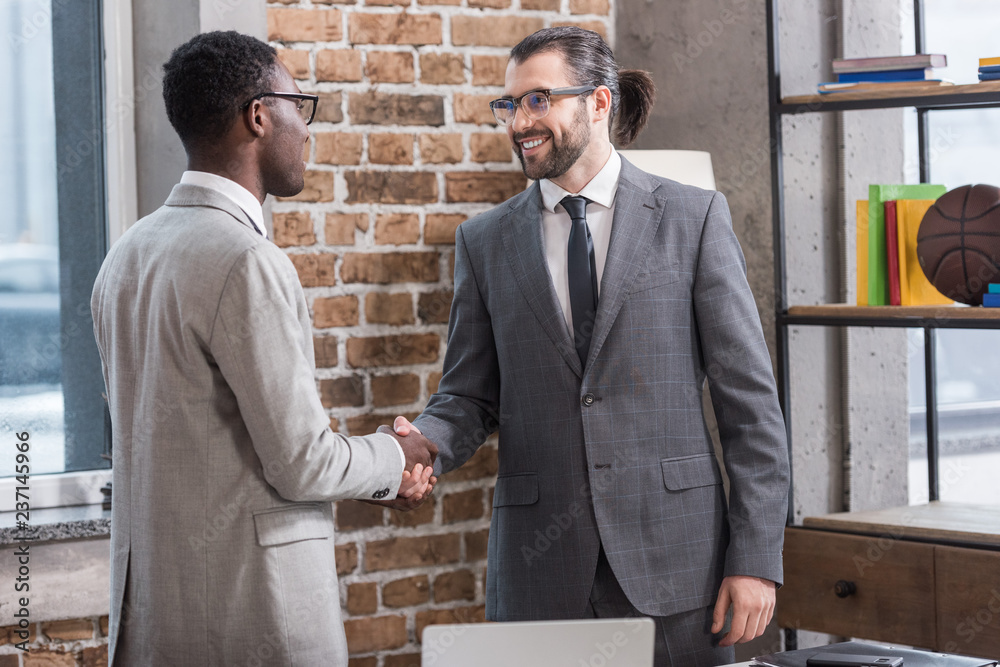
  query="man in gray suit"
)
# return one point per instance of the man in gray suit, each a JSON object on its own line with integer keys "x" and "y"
{"x": 224, "y": 461}
{"x": 588, "y": 312}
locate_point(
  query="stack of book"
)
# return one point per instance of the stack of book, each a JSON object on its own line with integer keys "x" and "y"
{"x": 889, "y": 272}
{"x": 989, "y": 69}
{"x": 886, "y": 73}
{"x": 992, "y": 297}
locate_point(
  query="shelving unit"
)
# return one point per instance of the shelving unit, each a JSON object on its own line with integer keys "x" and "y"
{"x": 809, "y": 587}
{"x": 924, "y": 99}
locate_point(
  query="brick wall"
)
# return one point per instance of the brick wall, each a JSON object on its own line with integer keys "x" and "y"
{"x": 404, "y": 148}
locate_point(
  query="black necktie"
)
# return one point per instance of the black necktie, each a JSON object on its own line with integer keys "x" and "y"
{"x": 582, "y": 271}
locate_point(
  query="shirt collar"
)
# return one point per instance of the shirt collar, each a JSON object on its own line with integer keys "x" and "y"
{"x": 601, "y": 189}
{"x": 233, "y": 191}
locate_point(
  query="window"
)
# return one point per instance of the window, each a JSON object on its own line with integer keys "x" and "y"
{"x": 963, "y": 149}
{"x": 53, "y": 237}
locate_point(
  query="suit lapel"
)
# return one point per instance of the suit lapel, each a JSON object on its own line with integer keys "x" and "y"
{"x": 521, "y": 231}
{"x": 638, "y": 212}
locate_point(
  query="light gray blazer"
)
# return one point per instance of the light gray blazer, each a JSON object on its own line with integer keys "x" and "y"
{"x": 618, "y": 454}
{"x": 224, "y": 461}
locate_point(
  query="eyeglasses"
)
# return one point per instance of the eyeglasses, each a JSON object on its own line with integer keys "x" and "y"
{"x": 534, "y": 104}
{"x": 306, "y": 103}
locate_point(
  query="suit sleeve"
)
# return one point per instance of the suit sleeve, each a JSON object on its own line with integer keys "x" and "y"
{"x": 464, "y": 411}
{"x": 751, "y": 426}
{"x": 265, "y": 357}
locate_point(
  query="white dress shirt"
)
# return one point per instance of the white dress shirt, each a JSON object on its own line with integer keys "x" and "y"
{"x": 232, "y": 191}
{"x": 248, "y": 203}
{"x": 556, "y": 225}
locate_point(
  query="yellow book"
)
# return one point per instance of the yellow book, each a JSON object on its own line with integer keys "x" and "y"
{"x": 989, "y": 62}
{"x": 862, "y": 252}
{"x": 914, "y": 288}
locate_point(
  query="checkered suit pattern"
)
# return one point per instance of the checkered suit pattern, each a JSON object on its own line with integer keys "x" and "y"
{"x": 619, "y": 455}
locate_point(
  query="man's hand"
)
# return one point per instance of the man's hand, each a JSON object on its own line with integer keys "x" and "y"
{"x": 416, "y": 448}
{"x": 415, "y": 488}
{"x": 752, "y": 600}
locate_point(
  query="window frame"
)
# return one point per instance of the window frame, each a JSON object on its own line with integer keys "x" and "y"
{"x": 96, "y": 163}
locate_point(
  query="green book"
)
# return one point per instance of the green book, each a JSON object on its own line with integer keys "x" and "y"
{"x": 878, "y": 273}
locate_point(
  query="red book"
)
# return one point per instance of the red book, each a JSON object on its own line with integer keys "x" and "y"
{"x": 892, "y": 253}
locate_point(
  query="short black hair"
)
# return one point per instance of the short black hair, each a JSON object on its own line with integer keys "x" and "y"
{"x": 209, "y": 77}
{"x": 591, "y": 63}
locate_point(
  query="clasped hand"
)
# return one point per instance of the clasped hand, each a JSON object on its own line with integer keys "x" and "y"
{"x": 418, "y": 480}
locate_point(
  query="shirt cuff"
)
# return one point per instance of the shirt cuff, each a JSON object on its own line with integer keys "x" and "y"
{"x": 402, "y": 456}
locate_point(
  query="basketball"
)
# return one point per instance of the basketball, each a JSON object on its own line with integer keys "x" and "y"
{"x": 958, "y": 243}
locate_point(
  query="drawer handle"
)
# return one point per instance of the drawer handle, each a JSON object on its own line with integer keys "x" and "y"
{"x": 845, "y": 589}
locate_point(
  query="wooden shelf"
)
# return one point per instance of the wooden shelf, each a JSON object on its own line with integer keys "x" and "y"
{"x": 933, "y": 522}
{"x": 984, "y": 93}
{"x": 940, "y": 317}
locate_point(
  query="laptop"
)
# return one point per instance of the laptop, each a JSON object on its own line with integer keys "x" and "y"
{"x": 624, "y": 642}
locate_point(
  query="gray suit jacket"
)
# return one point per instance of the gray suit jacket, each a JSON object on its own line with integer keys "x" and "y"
{"x": 617, "y": 454}
{"x": 224, "y": 461}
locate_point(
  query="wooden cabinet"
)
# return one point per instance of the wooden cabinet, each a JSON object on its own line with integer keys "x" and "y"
{"x": 926, "y": 576}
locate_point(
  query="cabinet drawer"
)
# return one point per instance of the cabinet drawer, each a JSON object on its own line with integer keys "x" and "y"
{"x": 894, "y": 593}
{"x": 968, "y": 600}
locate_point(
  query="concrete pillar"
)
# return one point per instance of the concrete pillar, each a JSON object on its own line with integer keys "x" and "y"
{"x": 158, "y": 28}
{"x": 709, "y": 61}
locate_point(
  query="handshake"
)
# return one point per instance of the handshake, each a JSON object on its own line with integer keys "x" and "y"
{"x": 418, "y": 480}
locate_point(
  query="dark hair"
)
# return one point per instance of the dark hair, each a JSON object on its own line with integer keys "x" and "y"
{"x": 591, "y": 63}
{"x": 208, "y": 77}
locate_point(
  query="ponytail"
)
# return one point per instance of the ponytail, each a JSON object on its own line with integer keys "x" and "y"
{"x": 637, "y": 96}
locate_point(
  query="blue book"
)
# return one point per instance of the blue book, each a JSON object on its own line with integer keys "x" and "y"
{"x": 994, "y": 288}
{"x": 885, "y": 75}
{"x": 989, "y": 77}
{"x": 991, "y": 300}
{"x": 990, "y": 69}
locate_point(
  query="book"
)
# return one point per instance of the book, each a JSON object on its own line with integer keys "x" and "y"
{"x": 991, "y": 300}
{"x": 891, "y": 252}
{"x": 920, "y": 60}
{"x": 853, "y": 87}
{"x": 990, "y": 69}
{"x": 985, "y": 76}
{"x": 861, "y": 208}
{"x": 914, "y": 288}
{"x": 885, "y": 75}
{"x": 911, "y": 657}
{"x": 878, "y": 279}
{"x": 986, "y": 62}
{"x": 993, "y": 288}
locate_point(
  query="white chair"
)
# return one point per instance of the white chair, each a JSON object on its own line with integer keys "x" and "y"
{"x": 688, "y": 167}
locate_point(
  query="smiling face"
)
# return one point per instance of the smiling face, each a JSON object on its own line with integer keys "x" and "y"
{"x": 564, "y": 141}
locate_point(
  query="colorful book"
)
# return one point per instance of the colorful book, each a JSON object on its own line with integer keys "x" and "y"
{"x": 885, "y": 75}
{"x": 920, "y": 60}
{"x": 891, "y": 252}
{"x": 989, "y": 77}
{"x": 914, "y": 288}
{"x": 993, "y": 288}
{"x": 991, "y": 300}
{"x": 990, "y": 69}
{"x": 878, "y": 278}
{"x": 862, "y": 251}
{"x": 987, "y": 62}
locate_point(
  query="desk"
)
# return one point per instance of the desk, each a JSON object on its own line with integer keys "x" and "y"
{"x": 919, "y": 575}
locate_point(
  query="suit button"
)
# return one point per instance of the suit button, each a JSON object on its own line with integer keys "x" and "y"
{"x": 588, "y": 399}
{"x": 379, "y": 495}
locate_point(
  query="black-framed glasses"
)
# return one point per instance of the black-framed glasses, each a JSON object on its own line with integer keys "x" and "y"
{"x": 534, "y": 103}
{"x": 306, "y": 103}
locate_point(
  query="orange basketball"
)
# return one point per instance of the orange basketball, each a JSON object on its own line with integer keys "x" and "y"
{"x": 958, "y": 243}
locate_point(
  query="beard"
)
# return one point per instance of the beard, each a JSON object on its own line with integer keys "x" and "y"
{"x": 562, "y": 155}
